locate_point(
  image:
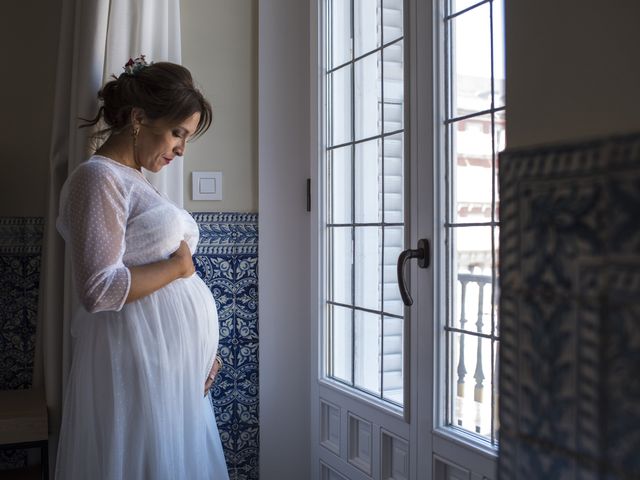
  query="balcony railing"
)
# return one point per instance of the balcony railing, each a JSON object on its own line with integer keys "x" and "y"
{"x": 473, "y": 340}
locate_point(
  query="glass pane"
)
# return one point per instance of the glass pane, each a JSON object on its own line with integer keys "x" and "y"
{"x": 394, "y": 178}
{"x": 393, "y": 245}
{"x": 499, "y": 145}
{"x": 340, "y": 115}
{"x": 367, "y": 97}
{"x": 471, "y": 75}
{"x": 459, "y": 5}
{"x": 392, "y": 365}
{"x": 339, "y": 34}
{"x": 496, "y": 412}
{"x": 471, "y": 383}
{"x": 498, "y": 54}
{"x": 472, "y": 151}
{"x": 393, "y": 87}
{"x": 341, "y": 264}
{"x": 472, "y": 264}
{"x": 367, "y": 267}
{"x": 340, "y": 185}
{"x": 341, "y": 342}
{"x": 367, "y": 351}
{"x": 366, "y": 26}
{"x": 392, "y": 21}
{"x": 496, "y": 287}
{"x": 368, "y": 201}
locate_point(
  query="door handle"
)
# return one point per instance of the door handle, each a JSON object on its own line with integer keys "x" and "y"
{"x": 422, "y": 254}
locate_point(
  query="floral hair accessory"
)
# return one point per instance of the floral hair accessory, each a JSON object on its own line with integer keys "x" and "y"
{"x": 134, "y": 65}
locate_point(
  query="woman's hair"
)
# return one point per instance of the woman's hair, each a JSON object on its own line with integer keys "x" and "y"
{"x": 162, "y": 90}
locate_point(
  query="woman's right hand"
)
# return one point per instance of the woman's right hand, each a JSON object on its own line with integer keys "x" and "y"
{"x": 184, "y": 261}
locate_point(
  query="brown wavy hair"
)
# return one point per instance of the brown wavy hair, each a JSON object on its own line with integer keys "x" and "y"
{"x": 163, "y": 90}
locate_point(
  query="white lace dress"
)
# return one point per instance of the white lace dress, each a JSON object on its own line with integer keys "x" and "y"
{"x": 134, "y": 405}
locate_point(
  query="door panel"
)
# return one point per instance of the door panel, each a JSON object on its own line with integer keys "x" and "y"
{"x": 383, "y": 401}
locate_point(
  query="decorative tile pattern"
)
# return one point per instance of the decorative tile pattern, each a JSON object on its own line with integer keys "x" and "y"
{"x": 20, "y": 247}
{"x": 570, "y": 311}
{"x": 227, "y": 260}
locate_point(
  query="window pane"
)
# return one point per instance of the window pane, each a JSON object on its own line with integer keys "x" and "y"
{"x": 366, "y": 26}
{"x": 475, "y": 82}
{"x": 498, "y": 53}
{"x": 339, "y": 33}
{"x": 393, "y": 87}
{"x": 471, "y": 62}
{"x": 340, "y": 322}
{"x": 471, "y": 383}
{"x": 473, "y": 174}
{"x": 459, "y": 5}
{"x": 341, "y": 265}
{"x": 392, "y": 22}
{"x": 367, "y": 267}
{"x": 392, "y": 345}
{"x": 496, "y": 285}
{"x": 367, "y": 96}
{"x": 340, "y": 115}
{"x": 367, "y": 351}
{"x": 499, "y": 145}
{"x": 393, "y": 245}
{"x": 340, "y": 184}
{"x": 368, "y": 201}
{"x": 472, "y": 265}
{"x": 394, "y": 178}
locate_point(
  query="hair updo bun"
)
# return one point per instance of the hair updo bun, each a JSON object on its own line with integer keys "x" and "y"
{"x": 162, "y": 90}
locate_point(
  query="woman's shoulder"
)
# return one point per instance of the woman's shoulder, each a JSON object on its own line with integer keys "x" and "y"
{"x": 98, "y": 173}
{"x": 99, "y": 169}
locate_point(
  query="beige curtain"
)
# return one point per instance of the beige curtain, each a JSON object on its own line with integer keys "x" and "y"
{"x": 97, "y": 37}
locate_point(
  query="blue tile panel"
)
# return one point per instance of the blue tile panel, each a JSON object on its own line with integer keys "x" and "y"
{"x": 570, "y": 311}
{"x": 227, "y": 260}
{"x": 20, "y": 249}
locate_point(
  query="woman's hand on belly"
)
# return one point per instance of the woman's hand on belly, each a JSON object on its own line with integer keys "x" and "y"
{"x": 212, "y": 376}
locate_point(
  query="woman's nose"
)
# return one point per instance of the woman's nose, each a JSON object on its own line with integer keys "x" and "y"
{"x": 179, "y": 149}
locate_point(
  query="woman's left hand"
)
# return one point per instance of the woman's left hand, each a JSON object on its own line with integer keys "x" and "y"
{"x": 212, "y": 376}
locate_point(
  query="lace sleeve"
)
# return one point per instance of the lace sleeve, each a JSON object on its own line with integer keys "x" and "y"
{"x": 92, "y": 220}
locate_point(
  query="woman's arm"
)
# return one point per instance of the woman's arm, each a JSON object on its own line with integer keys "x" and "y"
{"x": 146, "y": 279}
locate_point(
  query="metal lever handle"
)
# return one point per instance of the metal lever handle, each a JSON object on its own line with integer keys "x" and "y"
{"x": 422, "y": 254}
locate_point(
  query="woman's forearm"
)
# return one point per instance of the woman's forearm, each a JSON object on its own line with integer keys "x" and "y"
{"x": 146, "y": 279}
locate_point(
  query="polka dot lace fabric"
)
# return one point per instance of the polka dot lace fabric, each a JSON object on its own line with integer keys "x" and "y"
{"x": 133, "y": 404}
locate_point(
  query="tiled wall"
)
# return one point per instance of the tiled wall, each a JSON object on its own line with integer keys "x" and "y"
{"x": 570, "y": 311}
{"x": 227, "y": 260}
{"x": 20, "y": 253}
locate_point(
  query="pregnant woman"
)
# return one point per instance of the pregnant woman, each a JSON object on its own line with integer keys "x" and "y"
{"x": 146, "y": 332}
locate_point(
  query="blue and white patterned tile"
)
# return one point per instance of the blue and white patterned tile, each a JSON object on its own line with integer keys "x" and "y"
{"x": 227, "y": 259}
{"x": 20, "y": 247}
{"x": 570, "y": 283}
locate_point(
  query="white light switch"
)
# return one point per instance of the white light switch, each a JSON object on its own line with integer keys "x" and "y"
{"x": 206, "y": 185}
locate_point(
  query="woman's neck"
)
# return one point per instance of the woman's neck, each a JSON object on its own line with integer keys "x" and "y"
{"x": 119, "y": 147}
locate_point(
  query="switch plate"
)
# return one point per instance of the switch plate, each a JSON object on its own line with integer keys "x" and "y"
{"x": 206, "y": 185}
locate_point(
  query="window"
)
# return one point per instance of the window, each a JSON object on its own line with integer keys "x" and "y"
{"x": 364, "y": 228}
{"x": 474, "y": 126}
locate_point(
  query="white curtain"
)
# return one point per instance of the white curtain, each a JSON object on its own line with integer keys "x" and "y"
{"x": 97, "y": 37}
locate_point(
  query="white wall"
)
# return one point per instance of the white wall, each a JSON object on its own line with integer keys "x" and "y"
{"x": 29, "y": 38}
{"x": 573, "y": 69}
{"x": 284, "y": 240}
{"x": 219, "y": 46}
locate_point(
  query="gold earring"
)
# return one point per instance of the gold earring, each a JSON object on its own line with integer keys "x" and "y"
{"x": 135, "y": 137}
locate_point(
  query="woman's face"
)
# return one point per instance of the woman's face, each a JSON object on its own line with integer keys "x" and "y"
{"x": 159, "y": 142}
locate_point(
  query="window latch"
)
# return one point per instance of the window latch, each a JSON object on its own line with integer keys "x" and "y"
{"x": 422, "y": 254}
